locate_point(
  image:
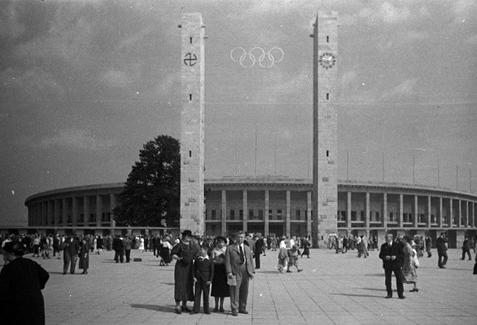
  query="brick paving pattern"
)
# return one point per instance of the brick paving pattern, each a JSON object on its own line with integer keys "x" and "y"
{"x": 332, "y": 289}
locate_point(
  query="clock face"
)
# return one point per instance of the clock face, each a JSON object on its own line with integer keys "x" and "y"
{"x": 327, "y": 60}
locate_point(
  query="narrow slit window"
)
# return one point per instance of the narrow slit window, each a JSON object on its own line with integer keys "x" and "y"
{"x": 190, "y": 97}
{"x": 327, "y": 96}
{"x": 327, "y": 39}
{"x": 327, "y": 153}
{"x": 190, "y": 39}
{"x": 190, "y": 153}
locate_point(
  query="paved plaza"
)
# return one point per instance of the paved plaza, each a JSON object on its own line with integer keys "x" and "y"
{"x": 332, "y": 289}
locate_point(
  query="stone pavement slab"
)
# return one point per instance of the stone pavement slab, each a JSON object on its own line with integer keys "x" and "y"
{"x": 332, "y": 289}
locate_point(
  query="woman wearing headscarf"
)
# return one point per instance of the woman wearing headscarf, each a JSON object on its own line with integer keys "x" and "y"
{"x": 220, "y": 288}
{"x": 184, "y": 253}
{"x": 21, "y": 282}
{"x": 409, "y": 264}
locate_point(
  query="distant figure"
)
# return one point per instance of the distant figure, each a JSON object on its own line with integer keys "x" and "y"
{"x": 392, "y": 255}
{"x": 118, "y": 247}
{"x": 127, "y": 248}
{"x": 410, "y": 263}
{"x": 84, "y": 250}
{"x": 21, "y": 282}
{"x": 466, "y": 248}
{"x": 428, "y": 246}
{"x": 306, "y": 248}
{"x": 165, "y": 251}
{"x": 70, "y": 254}
{"x": 441, "y": 244}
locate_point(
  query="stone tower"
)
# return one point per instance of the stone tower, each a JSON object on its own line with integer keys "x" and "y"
{"x": 192, "y": 124}
{"x": 325, "y": 149}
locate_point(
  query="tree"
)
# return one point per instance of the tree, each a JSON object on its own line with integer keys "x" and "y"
{"x": 152, "y": 189}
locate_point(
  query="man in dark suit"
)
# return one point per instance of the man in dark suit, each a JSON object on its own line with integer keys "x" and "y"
{"x": 70, "y": 254}
{"x": 127, "y": 248}
{"x": 239, "y": 264}
{"x": 441, "y": 244}
{"x": 118, "y": 246}
{"x": 392, "y": 255}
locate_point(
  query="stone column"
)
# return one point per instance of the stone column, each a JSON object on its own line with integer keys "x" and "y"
{"x": 74, "y": 213}
{"x": 112, "y": 205}
{"x": 416, "y": 210}
{"x": 429, "y": 211}
{"x": 223, "y": 214}
{"x": 451, "y": 213}
{"x": 57, "y": 213}
{"x": 245, "y": 210}
{"x": 308, "y": 213}
{"x": 459, "y": 214}
{"x": 266, "y": 215}
{"x": 99, "y": 210}
{"x": 86, "y": 211}
{"x": 288, "y": 217}
{"x": 367, "y": 212}
{"x": 440, "y": 219}
{"x": 401, "y": 207}
{"x": 64, "y": 212}
{"x": 385, "y": 210}
{"x": 348, "y": 210}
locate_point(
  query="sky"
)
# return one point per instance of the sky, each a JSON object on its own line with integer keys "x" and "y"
{"x": 84, "y": 84}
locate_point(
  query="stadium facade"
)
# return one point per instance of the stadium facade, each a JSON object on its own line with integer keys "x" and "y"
{"x": 280, "y": 206}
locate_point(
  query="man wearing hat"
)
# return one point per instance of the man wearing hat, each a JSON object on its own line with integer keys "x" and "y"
{"x": 21, "y": 282}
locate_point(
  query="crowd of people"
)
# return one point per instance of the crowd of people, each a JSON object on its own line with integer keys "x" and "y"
{"x": 220, "y": 267}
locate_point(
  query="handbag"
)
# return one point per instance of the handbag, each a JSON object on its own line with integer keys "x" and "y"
{"x": 232, "y": 281}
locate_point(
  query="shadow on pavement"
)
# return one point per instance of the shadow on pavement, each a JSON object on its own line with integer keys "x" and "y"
{"x": 165, "y": 309}
{"x": 355, "y": 295}
{"x": 375, "y": 274}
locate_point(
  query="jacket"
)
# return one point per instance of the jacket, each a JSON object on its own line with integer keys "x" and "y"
{"x": 395, "y": 249}
{"x": 203, "y": 269}
{"x": 233, "y": 262}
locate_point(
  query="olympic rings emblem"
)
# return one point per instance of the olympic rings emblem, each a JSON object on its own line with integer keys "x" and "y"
{"x": 257, "y": 56}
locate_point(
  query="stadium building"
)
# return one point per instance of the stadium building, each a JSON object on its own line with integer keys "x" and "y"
{"x": 280, "y": 206}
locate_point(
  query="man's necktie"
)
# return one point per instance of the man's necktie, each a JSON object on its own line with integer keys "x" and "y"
{"x": 242, "y": 257}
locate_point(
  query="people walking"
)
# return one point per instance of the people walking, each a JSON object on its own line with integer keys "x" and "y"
{"x": 466, "y": 249}
{"x": 392, "y": 256}
{"x": 410, "y": 263}
{"x": 441, "y": 244}
{"x": 127, "y": 248}
{"x": 184, "y": 253}
{"x": 118, "y": 247}
{"x": 240, "y": 269}
{"x": 165, "y": 251}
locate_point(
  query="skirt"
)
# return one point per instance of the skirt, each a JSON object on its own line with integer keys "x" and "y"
{"x": 220, "y": 288}
{"x": 165, "y": 254}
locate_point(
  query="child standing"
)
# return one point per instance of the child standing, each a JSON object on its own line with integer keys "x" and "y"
{"x": 203, "y": 271}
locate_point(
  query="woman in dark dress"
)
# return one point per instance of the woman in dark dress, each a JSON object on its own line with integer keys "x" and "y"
{"x": 21, "y": 282}
{"x": 84, "y": 254}
{"x": 220, "y": 288}
{"x": 184, "y": 253}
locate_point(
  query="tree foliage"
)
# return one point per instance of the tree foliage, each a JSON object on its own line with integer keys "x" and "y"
{"x": 152, "y": 189}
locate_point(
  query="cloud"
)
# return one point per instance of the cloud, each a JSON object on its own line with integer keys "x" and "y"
{"x": 76, "y": 139}
{"x": 10, "y": 26}
{"x": 386, "y": 13}
{"x": 472, "y": 40}
{"x": 33, "y": 84}
{"x": 115, "y": 79}
{"x": 405, "y": 91}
